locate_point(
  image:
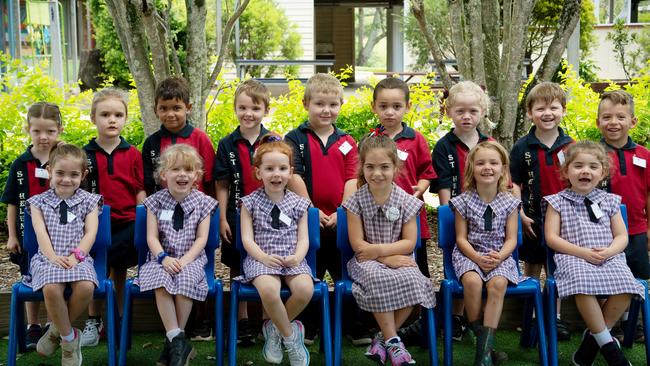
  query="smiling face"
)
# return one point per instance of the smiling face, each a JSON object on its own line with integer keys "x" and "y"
{"x": 274, "y": 171}
{"x": 66, "y": 175}
{"x": 179, "y": 179}
{"x": 546, "y": 116}
{"x": 390, "y": 106}
{"x": 615, "y": 122}
{"x": 466, "y": 112}
{"x": 488, "y": 167}
{"x": 584, "y": 173}
{"x": 172, "y": 113}
{"x": 109, "y": 117}
{"x": 323, "y": 109}
{"x": 249, "y": 114}
{"x": 43, "y": 133}
{"x": 378, "y": 169}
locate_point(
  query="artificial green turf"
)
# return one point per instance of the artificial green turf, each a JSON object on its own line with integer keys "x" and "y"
{"x": 147, "y": 346}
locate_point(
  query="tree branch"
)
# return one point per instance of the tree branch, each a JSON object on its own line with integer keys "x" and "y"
{"x": 159, "y": 56}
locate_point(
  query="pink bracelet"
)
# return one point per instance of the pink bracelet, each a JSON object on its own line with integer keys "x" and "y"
{"x": 79, "y": 254}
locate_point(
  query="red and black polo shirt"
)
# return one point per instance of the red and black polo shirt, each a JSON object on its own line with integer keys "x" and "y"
{"x": 324, "y": 168}
{"x": 536, "y": 168}
{"x": 155, "y": 144}
{"x": 22, "y": 183}
{"x": 116, "y": 176}
{"x": 629, "y": 177}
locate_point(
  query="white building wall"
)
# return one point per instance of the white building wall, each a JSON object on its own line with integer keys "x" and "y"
{"x": 301, "y": 13}
{"x": 604, "y": 55}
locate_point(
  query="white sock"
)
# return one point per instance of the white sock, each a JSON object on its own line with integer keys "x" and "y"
{"x": 395, "y": 339}
{"x": 68, "y": 338}
{"x": 625, "y": 316}
{"x": 603, "y": 337}
{"x": 558, "y": 316}
{"x": 173, "y": 333}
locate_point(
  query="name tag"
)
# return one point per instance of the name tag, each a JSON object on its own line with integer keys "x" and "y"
{"x": 638, "y": 161}
{"x": 345, "y": 148}
{"x": 596, "y": 209}
{"x": 560, "y": 157}
{"x": 285, "y": 219}
{"x": 402, "y": 155}
{"x": 166, "y": 215}
{"x": 41, "y": 173}
{"x": 71, "y": 217}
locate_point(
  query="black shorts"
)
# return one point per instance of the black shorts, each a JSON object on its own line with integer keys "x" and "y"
{"x": 122, "y": 253}
{"x": 229, "y": 253}
{"x": 21, "y": 259}
{"x": 636, "y": 255}
{"x": 328, "y": 257}
{"x": 532, "y": 250}
{"x": 421, "y": 258}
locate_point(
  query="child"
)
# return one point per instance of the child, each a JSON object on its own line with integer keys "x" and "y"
{"x": 535, "y": 163}
{"x": 115, "y": 172}
{"x": 275, "y": 236}
{"x": 382, "y": 230}
{"x": 233, "y": 171}
{"x": 629, "y": 177}
{"x": 486, "y": 236}
{"x": 178, "y": 222}
{"x": 585, "y": 228}
{"x": 65, "y": 220}
{"x": 466, "y": 105}
{"x": 325, "y": 166}
{"x": 28, "y": 177}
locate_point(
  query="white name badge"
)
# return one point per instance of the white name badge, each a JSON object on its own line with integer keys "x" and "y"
{"x": 71, "y": 217}
{"x": 392, "y": 213}
{"x": 402, "y": 155}
{"x": 596, "y": 209}
{"x": 166, "y": 215}
{"x": 285, "y": 219}
{"x": 345, "y": 148}
{"x": 41, "y": 173}
{"x": 560, "y": 157}
{"x": 638, "y": 161}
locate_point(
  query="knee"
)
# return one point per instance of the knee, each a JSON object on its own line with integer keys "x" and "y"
{"x": 269, "y": 294}
{"x": 52, "y": 291}
{"x": 497, "y": 286}
{"x": 303, "y": 290}
{"x": 472, "y": 283}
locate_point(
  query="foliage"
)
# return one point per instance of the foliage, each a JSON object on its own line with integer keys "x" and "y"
{"x": 622, "y": 38}
{"x": 437, "y": 16}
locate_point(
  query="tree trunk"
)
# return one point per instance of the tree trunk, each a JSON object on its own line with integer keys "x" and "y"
{"x": 197, "y": 58}
{"x": 376, "y": 35}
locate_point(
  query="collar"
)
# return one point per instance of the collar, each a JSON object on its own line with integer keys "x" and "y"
{"x": 561, "y": 140}
{"x": 50, "y": 198}
{"x": 27, "y": 155}
{"x": 266, "y": 205}
{"x": 304, "y": 127}
{"x": 370, "y": 208}
{"x": 188, "y": 204}
{"x": 94, "y": 146}
{"x": 406, "y": 133}
{"x": 185, "y": 132}
{"x": 236, "y": 134}
{"x": 453, "y": 138}
{"x": 629, "y": 145}
{"x": 497, "y": 203}
{"x": 596, "y": 195}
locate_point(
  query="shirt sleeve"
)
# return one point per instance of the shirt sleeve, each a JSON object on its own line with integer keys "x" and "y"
{"x": 221, "y": 166}
{"x": 410, "y": 208}
{"x": 352, "y": 204}
{"x": 152, "y": 204}
{"x": 442, "y": 169}
{"x": 147, "y": 167}
{"x": 208, "y": 206}
{"x": 138, "y": 175}
{"x": 613, "y": 204}
{"x": 93, "y": 200}
{"x": 516, "y": 165}
{"x": 424, "y": 168}
{"x": 292, "y": 139}
{"x": 351, "y": 160}
{"x": 249, "y": 202}
{"x": 207, "y": 153}
{"x": 459, "y": 205}
{"x": 10, "y": 194}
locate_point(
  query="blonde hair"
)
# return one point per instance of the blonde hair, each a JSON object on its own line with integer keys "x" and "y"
{"x": 376, "y": 141}
{"x": 545, "y": 92}
{"x": 255, "y": 90}
{"x": 504, "y": 180}
{"x": 617, "y": 97}
{"x": 109, "y": 93}
{"x": 584, "y": 147}
{"x": 182, "y": 155}
{"x": 468, "y": 87}
{"x": 323, "y": 83}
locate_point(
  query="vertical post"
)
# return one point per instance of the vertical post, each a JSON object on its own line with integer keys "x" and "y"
{"x": 56, "y": 63}
{"x": 219, "y": 26}
{"x": 395, "y": 57}
{"x": 237, "y": 33}
{"x": 14, "y": 28}
{"x": 74, "y": 50}
{"x": 89, "y": 39}
{"x": 573, "y": 49}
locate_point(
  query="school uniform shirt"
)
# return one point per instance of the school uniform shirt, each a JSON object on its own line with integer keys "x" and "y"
{"x": 377, "y": 287}
{"x": 536, "y": 168}
{"x": 280, "y": 240}
{"x": 116, "y": 176}
{"x": 324, "y": 168}
{"x": 575, "y": 275}
{"x": 190, "y": 281}
{"x": 629, "y": 177}
{"x": 155, "y": 144}
{"x": 64, "y": 238}
{"x": 448, "y": 158}
{"x": 484, "y": 236}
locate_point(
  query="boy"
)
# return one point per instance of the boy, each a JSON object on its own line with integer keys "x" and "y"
{"x": 115, "y": 172}
{"x": 629, "y": 177}
{"x": 535, "y": 161}
{"x": 325, "y": 168}
{"x": 233, "y": 172}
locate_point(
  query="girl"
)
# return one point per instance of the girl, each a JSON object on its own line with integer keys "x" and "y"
{"x": 28, "y": 177}
{"x": 178, "y": 222}
{"x": 382, "y": 231}
{"x": 65, "y": 220}
{"x": 274, "y": 234}
{"x": 486, "y": 236}
{"x": 585, "y": 227}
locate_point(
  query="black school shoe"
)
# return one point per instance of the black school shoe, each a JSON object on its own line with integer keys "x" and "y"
{"x": 563, "y": 333}
{"x": 163, "y": 360}
{"x": 587, "y": 351}
{"x": 202, "y": 331}
{"x": 245, "y": 333}
{"x": 34, "y": 333}
{"x": 180, "y": 351}
{"x": 458, "y": 327}
{"x": 613, "y": 354}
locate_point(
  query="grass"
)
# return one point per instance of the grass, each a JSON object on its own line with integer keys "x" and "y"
{"x": 147, "y": 347}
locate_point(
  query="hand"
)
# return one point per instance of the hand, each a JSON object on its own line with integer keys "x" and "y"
{"x": 331, "y": 223}
{"x": 398, "y": 261}
{"x": 171, "y": 265}
{"x": 61, "y": 261}
{"x": 606, "y": 253}
{"x": 13, "y": 245}
{"x": 184, "y": 261}
{"x": 291, "y": 261}
{"x": 72, "y": 260}
{"x": 224, "y": 230}
{"x": 417, "y": 192}
{"x": 527, "y": 225}
{"x": 593, "y": 256}
{"x": 324, "y": 219}
{"x": 273, "y": 261}
{"x": 486, "y": 263}
{"x": 367, "y": 252}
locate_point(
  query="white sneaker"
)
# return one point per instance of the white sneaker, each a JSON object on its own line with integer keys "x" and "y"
{"x": 90, "y": 334}
{"x": 296, "y": 350}
{"x": 272, "y": 349}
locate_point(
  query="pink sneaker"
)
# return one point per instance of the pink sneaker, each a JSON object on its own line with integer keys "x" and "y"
{"x": 377, "y": 350}
{"x": 398, "y": 354}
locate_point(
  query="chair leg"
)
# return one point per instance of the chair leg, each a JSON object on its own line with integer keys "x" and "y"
{"x": 645, "y": 307}
{"x": 232, "y": 330}
{"x": 218, "y": 326}
{"x": 326, "y": 340}
{"x": 550, "y": 292}
{"x": 431, "y": 335}
{"x": 339, "y": 291}
{"x": 447, "y": 297}
{"x": 630, "y": 330}
{"x": 541, "y": 332}
{"x": 529, "y": 336}
{"x": 14, "y": 323}
{"x": 111, "y": 321}
{"x": 125, "y": 328}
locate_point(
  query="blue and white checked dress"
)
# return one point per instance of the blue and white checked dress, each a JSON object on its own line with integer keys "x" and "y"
{"x": 190, "y": 281}
{"x": 575, "y": 275}
{"x": 280, "y": 241}
{"x": 471, "y": 207}
{"x": 64, "y": 238}
{"x": 377, "y": 287}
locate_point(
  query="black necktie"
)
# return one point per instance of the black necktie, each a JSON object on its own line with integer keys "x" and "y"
{"x": 275, "y": 217}
{"x": 178, "y": 217}
{"x": 487, "y": 217}
{"x": 590, "y": 210}
{"x": 63, "y": 211}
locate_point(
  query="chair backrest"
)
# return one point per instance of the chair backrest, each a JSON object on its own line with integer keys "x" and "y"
{"x": 211, "y": 245}
{"x": 343, "y": 240}
{"x": 98, "y": 251}
{"x": 313, "y": 226}
{"x": 447, "y": 239}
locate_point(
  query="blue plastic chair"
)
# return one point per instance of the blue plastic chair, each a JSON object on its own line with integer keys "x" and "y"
{"x": 452, "y": 288}
{"x": 343, "y": 288}
{"x": 550, "y": 300}
{"x": 21, "y": 293}
{"x": 132, "y": 290}
{"x": 247, "y": 292}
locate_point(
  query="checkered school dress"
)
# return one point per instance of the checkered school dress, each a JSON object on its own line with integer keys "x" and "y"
{"x": 377, "y": 287}
{"x": 64, "y": 238}
{"x": 472, "y": 208}
{"x": 190, "y": 281}
{"x": 575, "y": 275}
{"x": 280, "y": 241}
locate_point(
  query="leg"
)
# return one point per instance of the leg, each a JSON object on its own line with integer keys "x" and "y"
{"x": 402, "y": 315}
{"x": 118, "y": 275}
{"x": 386, "y": 322}
{"x": 614, "y": 308}
{"x": 302, "y": 289}
{"x": 82, "y": 294}
{"x": 472, "y": 291}
{"x": 269, "y": 289}
{"x": 166, "y": 309}
{"x": 496, "y": 290}
{"x": 183, "y": 305}
{"x": 591, "y": 313}
{"x": 57, "y": 309}
{"x": 31, "y": 308}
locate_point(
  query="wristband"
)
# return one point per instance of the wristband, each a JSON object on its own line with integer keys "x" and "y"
{"x": 79, "y": 254}
{"x": 161, "y": 256}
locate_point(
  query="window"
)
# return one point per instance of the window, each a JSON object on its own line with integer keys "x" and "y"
{"x": 632, "y": 11}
